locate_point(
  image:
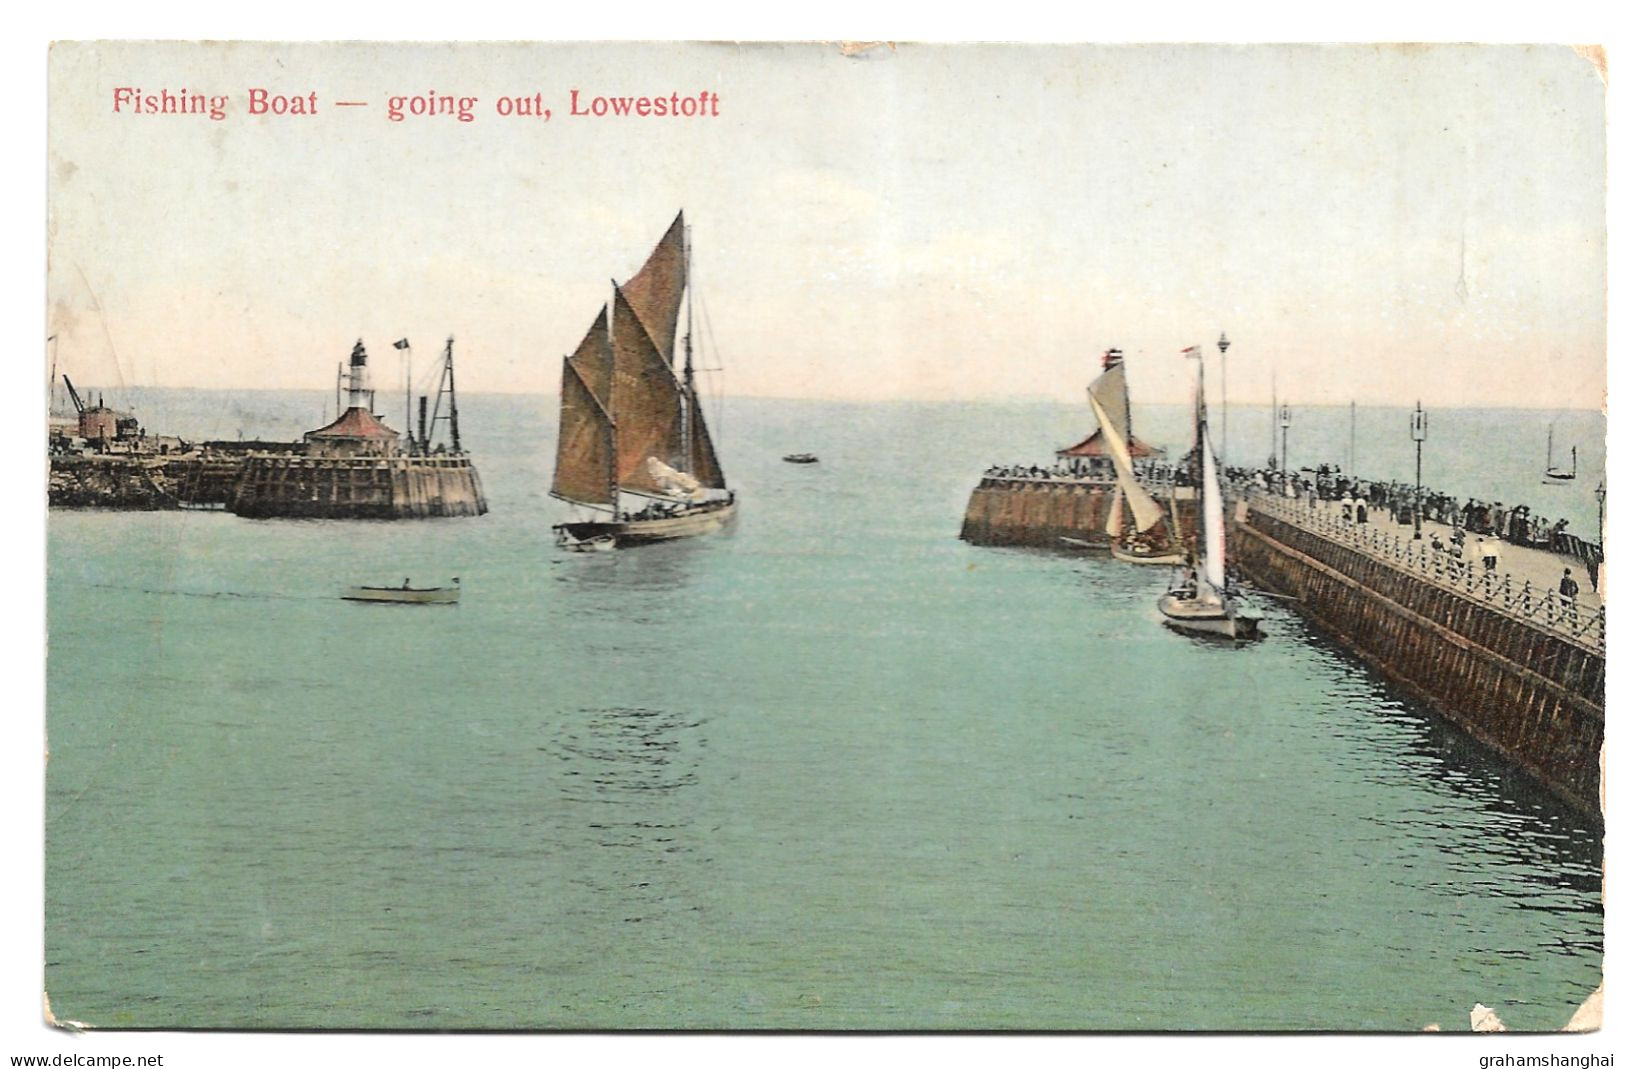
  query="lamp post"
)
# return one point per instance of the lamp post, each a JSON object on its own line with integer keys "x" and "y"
{"x": 1286, "y": 421}
{"x": 1419, "y": 433}
{"x": 1224, "y": 400}
{"x": 1602, "y": 500}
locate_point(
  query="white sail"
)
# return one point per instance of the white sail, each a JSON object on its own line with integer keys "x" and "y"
{"x": 672, "y": 481}
{"x": 1114, "y": 518}
{"x": 1144, "y": 507}
{"x": 1212, "y": 516}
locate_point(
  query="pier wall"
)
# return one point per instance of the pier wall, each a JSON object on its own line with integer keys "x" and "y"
{"x": 1524, "y": 678}
{"x": 1041, "y": 512}
{"x": 378, "y": 488}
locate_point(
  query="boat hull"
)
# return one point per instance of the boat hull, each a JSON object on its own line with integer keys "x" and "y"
{"x": 402, "y": 596}
{"x": 1205, "y": 618}
{"x": 1128, "y": 556}
{"x": 703, "y": 520}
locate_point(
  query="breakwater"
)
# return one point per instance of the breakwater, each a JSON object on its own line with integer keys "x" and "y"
{"x": 1047, "y": 512}
{"x": 1507, "y": 659}
{"x": 121, "y": 481}
{"x": 359, "y": 487}
{"x": 270, "y": 483}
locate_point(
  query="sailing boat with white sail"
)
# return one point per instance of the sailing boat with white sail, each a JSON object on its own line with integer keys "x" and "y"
{"x": 1555, "y": 474}
{"x": 1146, "y": 538}
{"x": 1201, "y": 603}
{"x": 631, "y": 426}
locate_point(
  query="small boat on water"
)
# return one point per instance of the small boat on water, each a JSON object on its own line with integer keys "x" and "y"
{"x": 630, "y": 424}
{"x": 800, "y": 458}
{"x": 407, "y": 594}
{"x": 1555, "y": 474}
{"x": 1200, "y": 602}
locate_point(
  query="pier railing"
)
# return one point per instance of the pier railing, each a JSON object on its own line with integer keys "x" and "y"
{"x": 1545, "y": 609}
{"x": 1520, "y": 598}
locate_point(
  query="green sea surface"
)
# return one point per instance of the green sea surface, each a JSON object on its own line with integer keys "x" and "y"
{"x": 832, "y": 769}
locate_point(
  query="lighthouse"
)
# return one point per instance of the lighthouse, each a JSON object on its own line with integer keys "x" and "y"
{"x": 359, "y": 378}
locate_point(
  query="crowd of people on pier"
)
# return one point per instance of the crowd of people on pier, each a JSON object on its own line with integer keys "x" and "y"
{"x": 1094, "y": 469}
{"x": 1515, "y": 523}
{"x": 1472, "y": 529}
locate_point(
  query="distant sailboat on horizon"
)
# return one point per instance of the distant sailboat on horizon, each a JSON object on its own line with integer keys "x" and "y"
{"x": 1554, "y": 474}
{"x": 629, "y": 425}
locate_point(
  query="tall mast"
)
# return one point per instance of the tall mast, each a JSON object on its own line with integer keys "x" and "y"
{"x": 1275, "y": 412}
{"x": 451, "y": 384}
{"x": 448, "y": 390}
{"x": 614, "y": 433}
{"x": 688, "y": 357}
{"x": 407, "y": 426}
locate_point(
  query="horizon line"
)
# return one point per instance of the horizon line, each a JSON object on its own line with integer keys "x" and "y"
{"x": 1012, "y": 399}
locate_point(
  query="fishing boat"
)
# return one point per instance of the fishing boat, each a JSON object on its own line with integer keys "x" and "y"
{"x": 1149, "y": 536}
{"x": 631, "y": 426}
{"x": 800, "y": 458}
{"x": 1555, "y": 474}
{"x": 407, "y": 594}
{"x": 1200, "y": 602}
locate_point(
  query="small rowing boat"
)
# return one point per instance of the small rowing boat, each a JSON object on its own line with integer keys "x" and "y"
{"x": 407, "y": 594}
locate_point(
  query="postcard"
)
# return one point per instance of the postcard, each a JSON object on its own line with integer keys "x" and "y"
{"x": 825, "y": 538}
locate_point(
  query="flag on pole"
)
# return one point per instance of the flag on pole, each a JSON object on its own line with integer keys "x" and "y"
{"x": 403, "y": 344}
{"x": 1194, "y": 352}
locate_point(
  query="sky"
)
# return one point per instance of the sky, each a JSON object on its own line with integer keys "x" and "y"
{"x": 1378, "y": 224}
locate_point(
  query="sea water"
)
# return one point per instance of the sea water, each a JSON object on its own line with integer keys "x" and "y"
{"x": 832, "y": 769}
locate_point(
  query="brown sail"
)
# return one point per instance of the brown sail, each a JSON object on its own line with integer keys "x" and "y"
{"x": 707, "y": 469}
{"x": 656, "y": 291}
{"x": 584, "y": 471}
{"x": 645, "y": 402}
{"x": 594, "y": 360}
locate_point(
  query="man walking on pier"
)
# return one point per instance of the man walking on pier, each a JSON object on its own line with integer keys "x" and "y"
{"x": 1491, "y": 552}
{"x": 1567, "y": 591}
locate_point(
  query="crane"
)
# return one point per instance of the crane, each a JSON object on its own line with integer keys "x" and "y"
{"x": 73, "y": 395}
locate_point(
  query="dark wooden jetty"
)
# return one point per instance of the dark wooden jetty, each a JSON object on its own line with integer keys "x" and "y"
{"x": 1499, "y": 654}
